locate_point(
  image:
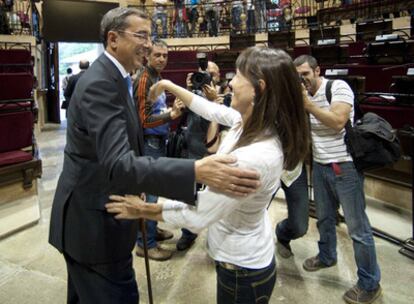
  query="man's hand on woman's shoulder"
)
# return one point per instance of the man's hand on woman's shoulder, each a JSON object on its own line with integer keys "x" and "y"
{"x": 221, "y": 175}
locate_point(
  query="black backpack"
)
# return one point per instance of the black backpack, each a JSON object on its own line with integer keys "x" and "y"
{"x": 371, "y": 142}
{"x": 176, "y": 143}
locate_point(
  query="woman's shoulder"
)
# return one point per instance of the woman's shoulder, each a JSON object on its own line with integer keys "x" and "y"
{"x": 266, "y": 157}
{"x": 265, "y": 152}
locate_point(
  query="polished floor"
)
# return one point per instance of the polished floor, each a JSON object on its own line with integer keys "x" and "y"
{"x": 31, "y": 271}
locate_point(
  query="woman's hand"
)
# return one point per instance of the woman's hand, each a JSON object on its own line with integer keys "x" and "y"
{"x": 157, "y": 89}
{"x": 125, "y": 207}
{"x": 131, "y": 207}
{"x": 176, "y": 110}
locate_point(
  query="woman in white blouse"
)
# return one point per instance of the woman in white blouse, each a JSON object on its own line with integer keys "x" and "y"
{"x": 267, "y": 133}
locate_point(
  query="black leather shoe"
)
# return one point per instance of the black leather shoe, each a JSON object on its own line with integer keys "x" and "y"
{"x": 185, "y": 243}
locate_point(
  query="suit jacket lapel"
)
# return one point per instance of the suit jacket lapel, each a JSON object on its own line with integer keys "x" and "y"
{"x": 124, "y": 94}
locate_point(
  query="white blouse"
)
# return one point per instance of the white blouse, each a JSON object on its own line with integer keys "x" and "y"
{"x": 239, "y": 229}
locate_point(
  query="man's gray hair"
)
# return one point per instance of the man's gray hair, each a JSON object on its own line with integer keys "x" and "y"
{"x": 115, "y": 20}
{"x": 158, "y": 42}
{"x": 313, "y": 63}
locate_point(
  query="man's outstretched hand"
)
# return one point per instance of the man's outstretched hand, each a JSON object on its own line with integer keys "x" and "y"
{"x": 221, "y": 175}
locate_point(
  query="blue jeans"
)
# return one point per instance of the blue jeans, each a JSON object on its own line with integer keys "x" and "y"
{"x": 345, "y": 187}
{"x": 245, "y": 286}
{"x": 212, "y": 21}
{"x": 297, "y": 200}
{"x": 154, "y": 147}
{"x": 193, "y": 16}
{"x": 251, "y": 21}
{"x": 261, "y": 14}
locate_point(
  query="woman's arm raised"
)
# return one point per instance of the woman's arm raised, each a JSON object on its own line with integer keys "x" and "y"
{"x": 164, "y": 84}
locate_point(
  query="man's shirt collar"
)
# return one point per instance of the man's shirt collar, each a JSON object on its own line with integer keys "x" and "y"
{"x": 119, "y": 66}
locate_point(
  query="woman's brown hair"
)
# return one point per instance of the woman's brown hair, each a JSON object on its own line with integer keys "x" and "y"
{"x": 278, "y": 109}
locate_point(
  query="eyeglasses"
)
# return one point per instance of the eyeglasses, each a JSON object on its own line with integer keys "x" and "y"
{"x": 141, "y": 36}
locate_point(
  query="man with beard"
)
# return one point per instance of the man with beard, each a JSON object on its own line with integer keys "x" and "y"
{"x": 336, "y": 181}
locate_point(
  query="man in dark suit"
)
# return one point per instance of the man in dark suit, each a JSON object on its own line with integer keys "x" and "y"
{"x": 73, "y": 80}
{"x": 103, "y": 156}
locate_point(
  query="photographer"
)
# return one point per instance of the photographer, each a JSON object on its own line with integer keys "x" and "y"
{"x": 217, "y": 132}
{"x": 202, "y": 83}
{"x": 337, "y": 182}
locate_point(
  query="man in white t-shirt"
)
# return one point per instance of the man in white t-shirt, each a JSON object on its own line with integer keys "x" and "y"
{"x": 336, "y": 181}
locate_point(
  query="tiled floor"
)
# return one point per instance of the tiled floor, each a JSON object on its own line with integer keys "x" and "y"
{"x": 31, "y": 271}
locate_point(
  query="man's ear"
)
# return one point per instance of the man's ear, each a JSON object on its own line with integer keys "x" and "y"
{"x": 262, "y": 85}
{"x": 112, "y": 39}
{"x": 317, "y": 71}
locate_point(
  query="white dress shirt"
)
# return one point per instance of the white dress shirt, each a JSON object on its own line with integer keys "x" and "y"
{"x": 118, "y": 65}
{"x": 240, "y": 231}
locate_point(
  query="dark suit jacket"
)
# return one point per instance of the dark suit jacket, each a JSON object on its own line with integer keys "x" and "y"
{"x": 70, "y": 88}
{"x": 103, "y": 156}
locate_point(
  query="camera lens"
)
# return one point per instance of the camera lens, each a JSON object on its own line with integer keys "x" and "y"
{"x": 199, "y": 79}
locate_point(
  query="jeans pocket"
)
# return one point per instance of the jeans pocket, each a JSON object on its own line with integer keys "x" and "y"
{"x": 225, "y": 293}
{"x": 225, "y": 287}
{"x": 263, "y": 288}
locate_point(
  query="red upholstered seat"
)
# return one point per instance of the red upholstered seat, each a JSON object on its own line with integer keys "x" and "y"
{"x": 14, "y": 157}
{"x": 177, "y": 76}
{"x": 15, "y": 56}
{"x": 16, "y": 130}
{"x": 15, "y": 107}
{"x": 397, "y": 116}
{"x": 182, "y": 60}
{"x": 16, "y": 85}
{"x": 378, "y": 99}
{"x": 301, "y": 50}
{"x": 378, "y": 78}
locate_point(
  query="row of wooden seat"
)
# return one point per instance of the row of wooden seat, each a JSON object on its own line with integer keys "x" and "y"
{"x": 18, "y": 161}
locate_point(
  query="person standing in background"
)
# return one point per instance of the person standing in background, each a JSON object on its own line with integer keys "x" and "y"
{"x": 155, "y": 118}
{"x": 336, "y": 181}
{"x": 66, "y": 79}
{"x": 73, "y": 80}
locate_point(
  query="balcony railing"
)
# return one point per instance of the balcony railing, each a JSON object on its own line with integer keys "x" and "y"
{"x": 16, "y": 17}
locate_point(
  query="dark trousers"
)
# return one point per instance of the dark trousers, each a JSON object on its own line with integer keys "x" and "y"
{"x": 154, "y": 146}
{"x": 187, "y": 234}
{"x": 110, "y": 283}
{"x": 245, "y": 286}
{"x": 297, "y": 199}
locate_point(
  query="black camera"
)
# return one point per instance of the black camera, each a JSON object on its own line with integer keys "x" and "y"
{"x": 200, "y": 79}
{"x": 227, "y": 99}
